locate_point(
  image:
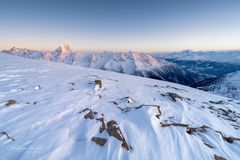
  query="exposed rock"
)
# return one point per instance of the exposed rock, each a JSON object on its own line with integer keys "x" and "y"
{"x": 103, "y": 126}
{"x": 8, "y": 137}
{"x": 90, "y": 115}
{"x": 146, "y": 105}
{"x": 98, "y": 84}
{"x": 226, "y": 114}
{"x": 174, "y": 96}
{"x": 127, "y": 99}
{"x": 37, "y": 87}
{"x": 230, "y": 139}
{"x": 176, "y": 88}
{"x": 218, "y": 102}
{"x": 114, "y": 130}
{"x": 159, "y": 112}
{"x": 208, "y": 145}
{"x": 191, "y": 130}
{"x": 10, "y": 102}
{"x": 124, "y": 110}
{"x": 126, "y": 146}
{"x": 114, "y": 102}
{"x": 100, "y": 141}
{"x": 84, "y": 110}
{"x": 111, "y": 128}
{"x": 218, "y": 157}
{"x": 174, "y": 124}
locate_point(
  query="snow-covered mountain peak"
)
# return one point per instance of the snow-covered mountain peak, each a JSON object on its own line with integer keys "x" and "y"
{"x": 64, "y": 48}
{"x": 63, "y": 54}
{"x": 24, "y": 52}
{"x": 13, "y": 49}
{"x": 187, "y": 51}
{"x": 143, "y": 61}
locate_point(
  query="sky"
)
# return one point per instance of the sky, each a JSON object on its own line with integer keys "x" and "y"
{"x": 120, "y": 25}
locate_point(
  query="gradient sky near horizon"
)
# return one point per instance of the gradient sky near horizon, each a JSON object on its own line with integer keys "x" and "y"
{"x": 138, "y": 25}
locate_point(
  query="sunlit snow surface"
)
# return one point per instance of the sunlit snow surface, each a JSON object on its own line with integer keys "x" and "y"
{"x": 49, "y": 121}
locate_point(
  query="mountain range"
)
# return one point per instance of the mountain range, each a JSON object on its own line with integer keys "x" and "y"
{"x": 220, "y": 69}
{"x": 190, "y": 68}
{"x": 139, "y": 64}
{"x": 227, "y": 85}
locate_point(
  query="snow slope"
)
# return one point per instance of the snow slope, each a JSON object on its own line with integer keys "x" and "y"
{"x": 56, "y": 111}
{"x": 227, "y": 85}
{"x": 144, "y": 65}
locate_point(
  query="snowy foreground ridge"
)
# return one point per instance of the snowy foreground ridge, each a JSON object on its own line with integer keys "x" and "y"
{"x": 56, "y": 111}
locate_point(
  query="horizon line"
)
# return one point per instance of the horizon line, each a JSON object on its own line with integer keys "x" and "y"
{"x": 127, "y": 50}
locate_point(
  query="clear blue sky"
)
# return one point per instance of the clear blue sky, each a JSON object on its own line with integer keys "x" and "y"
{"x": 139, "y": 25}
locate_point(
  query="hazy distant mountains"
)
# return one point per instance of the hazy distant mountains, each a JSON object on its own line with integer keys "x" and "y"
{"x": 227, "y": 85}
{"x": 210, "y": 64}
{"x": 220, "y": 69}
{"x": 213, "y": 56}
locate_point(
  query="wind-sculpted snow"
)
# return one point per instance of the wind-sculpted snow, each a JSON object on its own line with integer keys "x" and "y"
{"x": 57, "y": 111}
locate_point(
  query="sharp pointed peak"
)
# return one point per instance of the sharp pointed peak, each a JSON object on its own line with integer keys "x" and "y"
{"x": 64, "y": 48}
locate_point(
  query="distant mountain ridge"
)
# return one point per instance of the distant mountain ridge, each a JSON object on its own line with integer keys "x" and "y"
{"x": 144, "y": 65}
{"x": 208, "y": 69}
{"x": 220, "y": 69}
{"x": 227, "y": 85}
{"x": 213, "y": 56}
